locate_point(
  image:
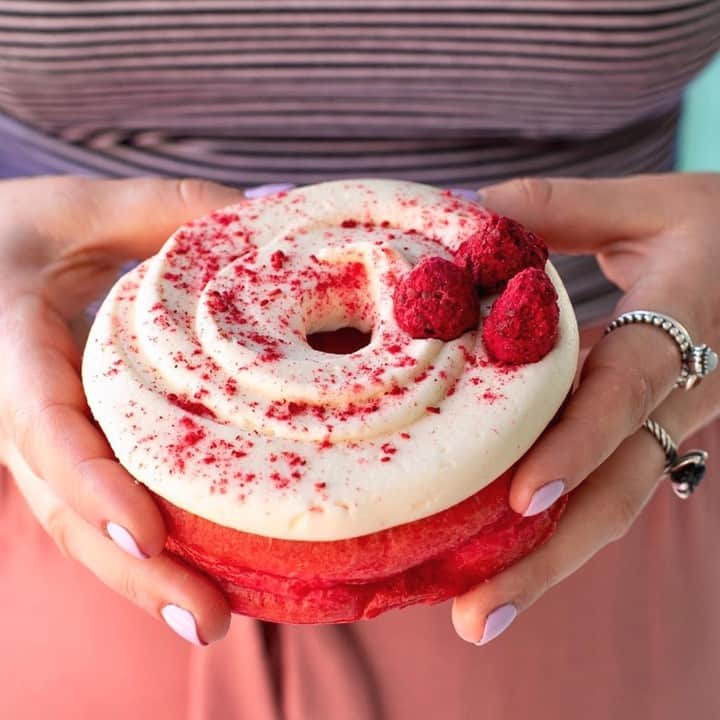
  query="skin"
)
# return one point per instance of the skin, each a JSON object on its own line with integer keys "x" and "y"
{"x": 62, "y": 241}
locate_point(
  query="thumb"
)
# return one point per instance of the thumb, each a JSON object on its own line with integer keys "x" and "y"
{"x": 133, "y": 218}
{"x": 123, "y": 219}
{"x": 580, "y": 216}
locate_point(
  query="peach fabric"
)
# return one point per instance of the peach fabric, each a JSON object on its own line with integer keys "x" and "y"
{"x": 635, "y": 634}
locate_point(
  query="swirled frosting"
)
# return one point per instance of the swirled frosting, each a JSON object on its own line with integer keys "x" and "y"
{"x": 199, "y": 371}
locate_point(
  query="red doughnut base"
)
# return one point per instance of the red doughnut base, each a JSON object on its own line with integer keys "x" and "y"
{"x": 425, "y": 561}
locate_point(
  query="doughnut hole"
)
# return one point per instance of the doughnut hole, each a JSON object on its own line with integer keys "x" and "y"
{"x": 340, "y": 312}
{"x": 343, "y": 341}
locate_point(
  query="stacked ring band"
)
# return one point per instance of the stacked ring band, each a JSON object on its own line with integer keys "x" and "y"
{"x": 685, "y": 471}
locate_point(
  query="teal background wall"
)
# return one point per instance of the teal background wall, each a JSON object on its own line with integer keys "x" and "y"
{"x": 699, "y": 139}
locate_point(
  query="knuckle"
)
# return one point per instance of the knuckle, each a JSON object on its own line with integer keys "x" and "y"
{"x": 56, "y": 526}
{"x": 192, "y": 192}
{"x": 545, "y": 574}
{"x": 548, "y": 576}
{"x": 641, "y": 395}
{"x": 623, "y": 512}
{"x": 629, "y": 388}
{"x": 28, "y": 424}
{"x": 537, "y": 192}
{"x": 128, "y": 587}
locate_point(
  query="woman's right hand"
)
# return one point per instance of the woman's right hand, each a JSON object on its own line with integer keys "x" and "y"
{"x": 62, "y": 241}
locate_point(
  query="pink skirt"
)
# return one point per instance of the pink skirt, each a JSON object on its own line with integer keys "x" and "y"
{"x": 633, "y": 635}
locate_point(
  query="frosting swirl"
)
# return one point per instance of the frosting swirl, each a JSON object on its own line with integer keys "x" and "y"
{"x": 199, "y": 370}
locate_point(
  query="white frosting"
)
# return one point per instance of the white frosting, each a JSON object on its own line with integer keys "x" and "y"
{"x": 290, "y": 442}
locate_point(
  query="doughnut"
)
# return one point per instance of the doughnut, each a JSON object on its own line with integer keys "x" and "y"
{"x": 324, "y": 401}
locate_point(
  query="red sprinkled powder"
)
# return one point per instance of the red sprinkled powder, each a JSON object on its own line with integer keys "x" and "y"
{"x": 231, "y": 386}
{"x": 277, "y": 259}
{"x": 220, "y": 302}
{"x": 320, "y": 485}
{"x": 394, "y": 349}
{"x": 405, "y": 436}
{"x": 469, "y": 357}
{"x": 279, "y": 481}
{"x": 295, "y": 408}
{"x": 209, "y": 459}
{"x": 294, "y": 460}
{"x": 389, "y": 449}
{"x": 195, "y": 408}
{"x": 270, "y": 355}
{"x": 385, "y": 459}
{"x": 225, "y": 219}
{"x": 433, "y": 409}
{"x": 348, "y": 223}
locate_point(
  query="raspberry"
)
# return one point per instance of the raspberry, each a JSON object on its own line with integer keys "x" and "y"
{"x": 522, "y": 326}
{"x": 436, "y": 299}
{"x": 500, "y": 250}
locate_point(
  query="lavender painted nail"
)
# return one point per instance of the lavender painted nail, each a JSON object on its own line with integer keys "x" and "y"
{"x": 124, "y": 540}
{"x": 465, "y": 194}
{"x": 262, "y": 191}
{"x": 544, "y": 497}
{"x": 497, "y": 622}
{"x": 183, "y": 623}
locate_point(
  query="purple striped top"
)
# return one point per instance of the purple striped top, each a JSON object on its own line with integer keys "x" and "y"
{"x": 459, "y": 92}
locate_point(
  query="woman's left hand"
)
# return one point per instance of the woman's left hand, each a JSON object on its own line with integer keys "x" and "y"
{"x": 656, "y": 237}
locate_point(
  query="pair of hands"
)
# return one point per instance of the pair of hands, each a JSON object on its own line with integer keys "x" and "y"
{"x": 62, "y": 241}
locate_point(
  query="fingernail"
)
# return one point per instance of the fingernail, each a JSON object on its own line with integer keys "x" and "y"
{"x": 497, "y": 622}
{"x": 183, "y": 623}
{"x": 465, "y": 194}
{"x": 262, "y": 191}
{"x": 124, "y": 540}
{"x": 544, "y": 497}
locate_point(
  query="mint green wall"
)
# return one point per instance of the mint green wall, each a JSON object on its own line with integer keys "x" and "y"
{"x": 699, "y": 142}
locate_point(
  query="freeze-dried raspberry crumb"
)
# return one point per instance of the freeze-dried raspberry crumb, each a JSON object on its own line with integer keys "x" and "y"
{"x": 522, "y": 326}
{"x": 277, "y": 259}
{"x": 500, "y": 250}
{"x": 436, "y": 299}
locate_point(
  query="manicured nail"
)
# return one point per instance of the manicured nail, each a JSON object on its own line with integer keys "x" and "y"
{"x": 262, "y": 191}
{"x": 497, "y": 622}
{"x": 183, "y": 623}
{"x": 464, "y": 194}
{"x": 544, "y": 497}
{"x": 124, "y": 540}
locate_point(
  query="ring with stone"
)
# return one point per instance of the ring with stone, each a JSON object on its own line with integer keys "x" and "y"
{"x": 685, "y": 471}
{"x": 697, "y": 361}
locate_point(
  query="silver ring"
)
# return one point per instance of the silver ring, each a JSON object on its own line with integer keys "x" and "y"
{"x": 697, "y": 361}
{"x": 685, "y": 471}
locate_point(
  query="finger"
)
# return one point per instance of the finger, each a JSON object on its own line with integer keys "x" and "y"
{"x": 600, "y": 511}
{"x": 162, "y": 586}
{"x": 583, "y": 215}
{"x": 48, "y": 422}
{"x": 123, "y": 219}
{"x": 628, "y": 374}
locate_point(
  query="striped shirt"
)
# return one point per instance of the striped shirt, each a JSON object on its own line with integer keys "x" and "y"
{"x": 450, "y": 92}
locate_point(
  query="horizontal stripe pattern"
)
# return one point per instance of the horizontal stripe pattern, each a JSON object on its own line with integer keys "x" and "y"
{"x": 463, "y": 92}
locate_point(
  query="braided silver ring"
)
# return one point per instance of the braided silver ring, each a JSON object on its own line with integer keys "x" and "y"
{"x": 697, "y": 361}
{"x": 685, "y": 471}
